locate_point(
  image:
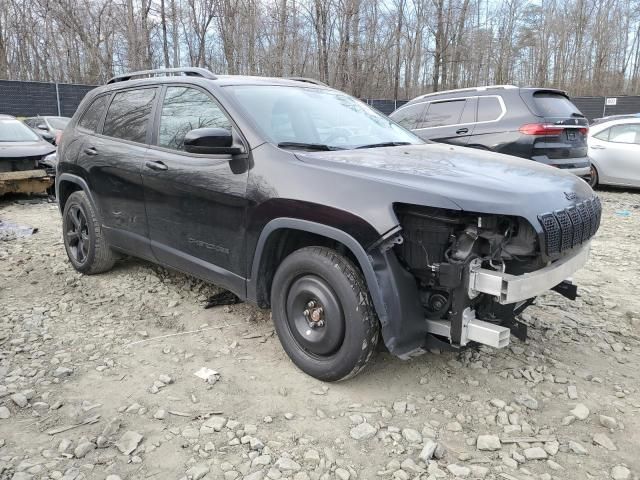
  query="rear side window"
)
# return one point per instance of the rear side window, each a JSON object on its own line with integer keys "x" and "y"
{"x": 409, "y": 116}
{"x": 185, "y": 109}
{"x": 441, "y": 114}
{"x": 93, "y": 114}
{"x": 128, "y": 115}
{"x": 489, "y": 109}
{"x": 549, "y": 104}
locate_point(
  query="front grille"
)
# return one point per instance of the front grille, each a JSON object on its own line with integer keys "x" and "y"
{"x": 565, "y": 229}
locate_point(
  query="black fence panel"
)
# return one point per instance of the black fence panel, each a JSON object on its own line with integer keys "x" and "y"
{"x": 26, "y": 99}
{"x": 591, "y": 107}
{"x": 29, "y": 99}
{"x": 385, "y": 106}
{"x": 71, "y": 96}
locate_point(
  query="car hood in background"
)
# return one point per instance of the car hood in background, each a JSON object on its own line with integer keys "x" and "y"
{"x": 475, "y": 180}
{"x": 25, "y": 149}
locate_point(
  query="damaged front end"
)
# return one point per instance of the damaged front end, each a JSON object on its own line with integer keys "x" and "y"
{"x": 475, "y": 272}
{"x": 33, "y": 174}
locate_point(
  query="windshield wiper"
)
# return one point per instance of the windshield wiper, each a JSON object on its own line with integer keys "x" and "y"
{"x": 308, "y": 146}
{"x": 384, "y": 144}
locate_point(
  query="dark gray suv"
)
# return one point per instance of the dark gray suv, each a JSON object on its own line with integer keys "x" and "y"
{"x": 302, "y": 199}
{"x": 540, "y": 124}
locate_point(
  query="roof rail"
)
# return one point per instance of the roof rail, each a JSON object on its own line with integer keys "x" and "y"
{"x": 307, "y": 80}
{"x": 470, "y": 89}
{"x": 188, "y": 71}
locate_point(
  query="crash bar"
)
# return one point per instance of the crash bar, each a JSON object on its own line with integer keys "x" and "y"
{"x": 515, "y": 288}
{"x": 188, "y": 71}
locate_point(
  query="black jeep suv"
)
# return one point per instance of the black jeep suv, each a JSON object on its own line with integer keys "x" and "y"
{"x": 540, "y": 124}
{"x": 301, "y": 198}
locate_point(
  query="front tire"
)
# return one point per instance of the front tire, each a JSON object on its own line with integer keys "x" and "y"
{"x": 84, "y": 239}
{"x": 323, "y": 314}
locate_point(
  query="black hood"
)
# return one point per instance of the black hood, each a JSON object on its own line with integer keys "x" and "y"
{"x": 475, "y": 180}
{"x": 37, "y": 148}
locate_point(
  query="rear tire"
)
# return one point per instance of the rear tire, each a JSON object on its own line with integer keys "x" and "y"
{"x": 323, "y": 314}
{"x": 593, "y": 179}
{"x": 84, "y": 241}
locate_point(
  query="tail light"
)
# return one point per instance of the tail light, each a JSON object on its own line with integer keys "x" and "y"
{"x": 584, "y": 131}
{"x": 540, "y": 129}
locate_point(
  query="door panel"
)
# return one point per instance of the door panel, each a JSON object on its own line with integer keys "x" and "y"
{"x": 114, "y": 161}
{"x": 195, "y": 203}
{"x": 115, "y": 179}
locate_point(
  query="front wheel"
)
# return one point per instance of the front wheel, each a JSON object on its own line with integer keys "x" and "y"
{"x": 323, "y": 314}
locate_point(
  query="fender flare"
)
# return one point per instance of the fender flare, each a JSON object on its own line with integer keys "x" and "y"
{"x": 393, "y": 290}
{"x": 326, "y": 231}
{"x": 84, "y": 186}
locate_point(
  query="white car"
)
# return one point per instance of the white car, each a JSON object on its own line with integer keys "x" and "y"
{"x": 614, "y": 150}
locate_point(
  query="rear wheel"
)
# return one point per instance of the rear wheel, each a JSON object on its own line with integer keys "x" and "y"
{"x": 593, "y": 178}
{"x": 323, "y": 314}
{"x": 84, "y": 240}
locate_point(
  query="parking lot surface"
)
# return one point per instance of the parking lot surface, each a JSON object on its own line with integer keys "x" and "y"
{"x": 97, "y": 380}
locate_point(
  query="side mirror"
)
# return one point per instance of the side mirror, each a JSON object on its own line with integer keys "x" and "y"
{"x": 42, "y": 126}
{"x": 210, "y": 141}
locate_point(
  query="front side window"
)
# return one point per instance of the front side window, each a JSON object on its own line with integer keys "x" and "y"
{"x": 489, "y": 109}
{"x": 93, "y": 114}
{"x": 629, "y": 133}
{"x": 441, "y": 114}
{"x": 409, "y": 116}
{"x": 185, "y": 109}
{"x": 318, "y": 116}
{"x": 128, "y": 115}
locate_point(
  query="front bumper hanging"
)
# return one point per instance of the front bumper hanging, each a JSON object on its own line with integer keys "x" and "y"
{"x": 508, "y": 288}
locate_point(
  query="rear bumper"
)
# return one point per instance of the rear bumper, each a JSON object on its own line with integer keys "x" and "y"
{"x": 27, "y": 181}
{"x": 508, "y": 288}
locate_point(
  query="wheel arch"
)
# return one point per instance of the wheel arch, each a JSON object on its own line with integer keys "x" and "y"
{"x": 275, "y": 242}
{"x": 393, "y": 289}
{"x": 68, "y": 183}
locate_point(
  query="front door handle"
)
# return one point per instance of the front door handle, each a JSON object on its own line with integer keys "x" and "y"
{"x": 460, "y": 131}
{"x": 91, "y": 151}
{"x": 156, "y": 165}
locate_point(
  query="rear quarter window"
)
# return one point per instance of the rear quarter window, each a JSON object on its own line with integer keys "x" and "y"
{"x": 489, "y": 109}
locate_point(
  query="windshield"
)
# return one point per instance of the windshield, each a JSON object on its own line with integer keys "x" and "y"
{"x": 298, "y": 116}
{"x": 59, "y": 123}
{"x": 15, "y": 131}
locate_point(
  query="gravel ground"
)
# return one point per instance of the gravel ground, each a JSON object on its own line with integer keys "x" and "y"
{"x": 97, "y": 380}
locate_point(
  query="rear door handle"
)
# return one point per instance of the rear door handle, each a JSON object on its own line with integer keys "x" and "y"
{"x": 156, "y": 165}
{"x": 462, "y": 130}
{"x": 598, "y": 147}
{"x": 91, "y": 151}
